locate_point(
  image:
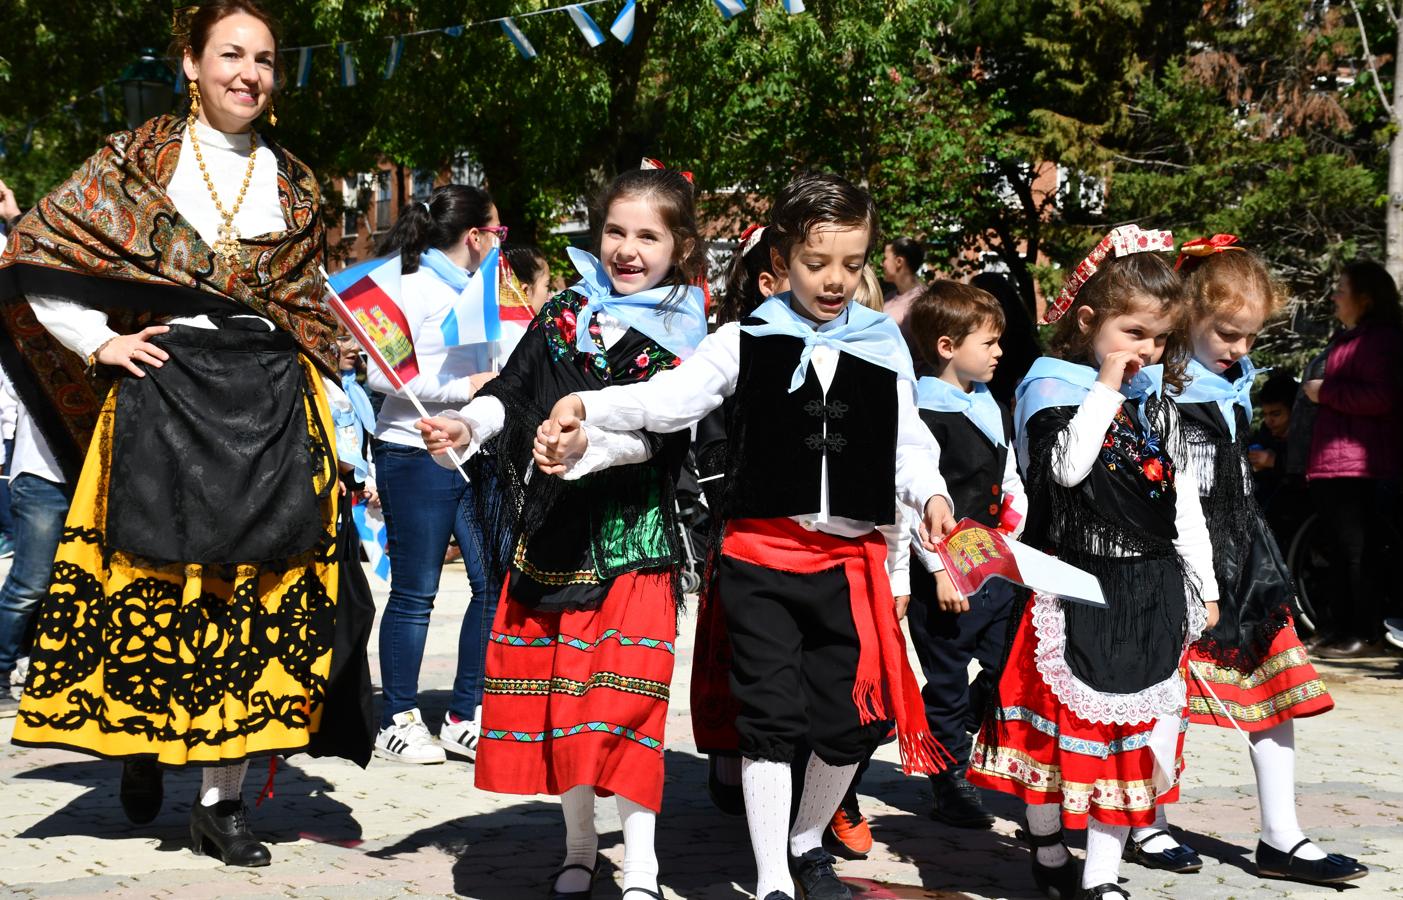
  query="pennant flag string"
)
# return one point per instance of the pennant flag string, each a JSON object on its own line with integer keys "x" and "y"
{"x": 523, "y": 46}
{"x": 392, "y": 61}
{"x": 348, "y": 65}
{"x": 730, "y": 8}
{"x": 623, "y": 23}
{"x": 304, "y": 66}
{"x": 589, "y": 29}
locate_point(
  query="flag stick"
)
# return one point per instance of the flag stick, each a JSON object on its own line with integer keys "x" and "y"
{"x": 1222, "y": 707}
{"x": 344, "y": 314}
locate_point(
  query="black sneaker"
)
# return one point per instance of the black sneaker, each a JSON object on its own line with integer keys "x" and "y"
{"x": 815, "y": 876}
{"x": 957, "y": 802}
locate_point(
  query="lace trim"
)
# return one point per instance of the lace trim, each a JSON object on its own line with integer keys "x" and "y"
{"x": 1166, "y": 698}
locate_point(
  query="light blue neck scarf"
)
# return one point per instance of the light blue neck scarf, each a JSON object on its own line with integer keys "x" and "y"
{"x": 449, "y": 272}
{"x": 362, "y": 415}
{"x": 678, "y": 329}
{"x": 1206, "y": 386}
{"x": 868, "y": 335}
{"x": 1056, "y": 382}
{"x": 978, "y": 405}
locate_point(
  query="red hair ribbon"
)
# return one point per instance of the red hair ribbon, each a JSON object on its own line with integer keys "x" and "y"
{"x": 1200, "y": 248}
{"x": 750, "y": 237}
{"x": 649, "y": 163}
{"x": 1122, "y": 241}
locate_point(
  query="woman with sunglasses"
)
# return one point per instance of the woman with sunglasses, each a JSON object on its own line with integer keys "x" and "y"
{"x": 441, "y": 242}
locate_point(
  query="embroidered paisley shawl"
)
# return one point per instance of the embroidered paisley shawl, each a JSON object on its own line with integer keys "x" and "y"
{"x": 109, "y": 237}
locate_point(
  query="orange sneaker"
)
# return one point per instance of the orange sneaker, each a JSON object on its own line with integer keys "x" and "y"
{"x": 848, "y": 837}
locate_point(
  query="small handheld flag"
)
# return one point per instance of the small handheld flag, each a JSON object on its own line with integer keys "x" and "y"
{"x": 623, "y": 23}
{"x": 370, "y": 525}
{"x": 473, "y": 318}
{"x": 514, "y": 34}
{"x": 589, "y": 29}
{"x": 366, "y": 300}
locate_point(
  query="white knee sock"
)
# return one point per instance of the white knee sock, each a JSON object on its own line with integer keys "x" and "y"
{"x": 1045, "y": 819}
{"x": 222, "y": 783}
{"x": 1274, "y": 759}
{"x": 640, "y": 861}
{"x": 767, "y": 788}
{"x": 581, "y": 840}
{"x": 1104, "y": 845}
{"x": 824, "y": 787}
{"x": 1160, "y": 841}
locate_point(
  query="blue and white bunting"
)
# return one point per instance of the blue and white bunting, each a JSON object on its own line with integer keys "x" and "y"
{"x": 623, "y": 23}
{"x": 794, "y": 7}
{"x": 523, "y": 46}
{"x": 589, "y": 29}
{"x": 304, "y": 67}
{"x": 454, "y": 31}
{"x": 392, "y": 61}
{"x": 730, "y": 8}
{"x": 348, "y": 64}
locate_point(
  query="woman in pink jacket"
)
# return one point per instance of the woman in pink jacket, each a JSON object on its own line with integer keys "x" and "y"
{"x": 1356, "y": 453}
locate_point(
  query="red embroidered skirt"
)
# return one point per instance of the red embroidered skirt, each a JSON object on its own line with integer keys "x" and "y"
{"x": 580, "y": 697}
{"x": 1284, "y": 686}
{"x": 1048, "y": 754}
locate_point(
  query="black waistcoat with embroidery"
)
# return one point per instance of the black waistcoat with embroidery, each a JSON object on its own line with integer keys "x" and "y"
{"x": 973, "y": 467}
{"x": 780, "y": 438}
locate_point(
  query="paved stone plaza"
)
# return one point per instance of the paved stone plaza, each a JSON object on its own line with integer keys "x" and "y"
{"x": 425, "y": 831}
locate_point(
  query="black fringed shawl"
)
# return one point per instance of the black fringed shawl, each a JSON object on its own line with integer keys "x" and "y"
{"x": 560, "y": 543}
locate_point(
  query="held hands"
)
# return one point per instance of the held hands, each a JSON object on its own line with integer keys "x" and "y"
{"x": 126, "y": 350}
{"x": 441, "y": 434}
{"x": 936, "y": 523}
{"x": 559, "y": 442}
{"x": 1212, "y": 609}
{"x": 1118, "y": 367}
{"x": 946, "y": 597}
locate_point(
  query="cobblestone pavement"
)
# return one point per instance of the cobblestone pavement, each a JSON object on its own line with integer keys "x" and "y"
{"x": 425, "y": 831}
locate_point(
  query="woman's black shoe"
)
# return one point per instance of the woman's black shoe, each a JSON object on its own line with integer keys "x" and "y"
{"x": 1101, "y": 890}
{"x": 1333, "y": 869}
{"x": 142, "y": 790}
{"x": 1056, "y": 882}
{"x": 1179, "y": 859}
{"x": 573, "y": 895}
{"x": 222, "y": 831}
{"x": 726, "y": 797}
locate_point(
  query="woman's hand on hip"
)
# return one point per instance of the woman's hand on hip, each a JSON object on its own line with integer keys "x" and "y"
{"x": 127, "y": 350}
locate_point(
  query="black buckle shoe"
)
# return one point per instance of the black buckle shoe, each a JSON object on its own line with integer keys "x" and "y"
{"x": 725, "y": 797}
{"x": 817, "y": 880}
{"x": 1101, "y": 890}
{"x": 656, "y": 895}
{"x": 1180, "y": 859}
{"x": 142, "y": 791}
{"x": 222, "y": 831}
{"x": 1335, "y": 868}
{"x": 1056, "y": 882}
{"x": 957, "y": 802}
{"x": 573, "y": 895}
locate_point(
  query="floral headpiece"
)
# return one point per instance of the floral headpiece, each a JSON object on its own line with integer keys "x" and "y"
{"x": 1122, "y": 241}
{"x": 649, "y": 163}
{"x": 1197, "y": 250}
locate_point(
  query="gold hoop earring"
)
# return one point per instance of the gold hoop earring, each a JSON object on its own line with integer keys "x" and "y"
{"x": 272, "y": 114}
{"x": 194, "y": 91}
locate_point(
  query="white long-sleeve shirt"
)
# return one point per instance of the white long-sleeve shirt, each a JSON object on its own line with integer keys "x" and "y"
{"x": 444, "y": 380}
{"x": 1012, "y": 486}
{"x": 1081, "y": 444}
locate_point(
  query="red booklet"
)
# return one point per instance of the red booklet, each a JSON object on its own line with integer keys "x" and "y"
{"x": 973, "y": 553}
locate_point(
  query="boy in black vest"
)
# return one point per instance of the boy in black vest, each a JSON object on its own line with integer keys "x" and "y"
{"x": 957, "y": 327}
{"x": 824, "y": 438}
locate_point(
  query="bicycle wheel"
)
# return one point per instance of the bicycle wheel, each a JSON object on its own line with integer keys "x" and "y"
{"x": 1310, "y": 569}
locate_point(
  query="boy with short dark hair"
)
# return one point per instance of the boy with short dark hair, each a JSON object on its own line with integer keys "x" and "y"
{"x": 824, "y": 438}
{"x": 957, "y": 327}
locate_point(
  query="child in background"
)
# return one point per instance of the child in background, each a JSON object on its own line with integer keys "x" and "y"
{"x": 1250, "y": 668}
{"x": 825, "y": 435}
{"x": 579, "y": 665}
{"x": 1087, "y": 721}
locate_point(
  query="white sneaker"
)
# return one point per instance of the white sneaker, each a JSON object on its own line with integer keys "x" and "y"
{"x": 460, "y": 738}
{"x": 408, "y": 741}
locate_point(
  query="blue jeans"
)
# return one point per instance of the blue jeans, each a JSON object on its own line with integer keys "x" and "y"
{"x": 7, "y": 522}
{"x": 39, "y": 508}
{"x": 423, "y": 504}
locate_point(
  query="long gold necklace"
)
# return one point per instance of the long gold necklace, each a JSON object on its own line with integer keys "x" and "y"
{"x": 227, "y": 245}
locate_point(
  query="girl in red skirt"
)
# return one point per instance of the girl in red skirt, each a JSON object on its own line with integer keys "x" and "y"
{"x": 1087, "y": 723}
{"x": 1250, "y": 668}
{"x": 579, "y": 661}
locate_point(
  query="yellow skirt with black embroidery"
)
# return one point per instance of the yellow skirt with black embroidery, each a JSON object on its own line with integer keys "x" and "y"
{"x": 182, "y": 664}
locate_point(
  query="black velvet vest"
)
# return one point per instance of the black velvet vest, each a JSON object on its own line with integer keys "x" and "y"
{"x": 972, "y": 466}
{"x": 780, "y": 438}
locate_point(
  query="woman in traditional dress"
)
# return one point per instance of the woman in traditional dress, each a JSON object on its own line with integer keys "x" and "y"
{"x": 191, "y": 615}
